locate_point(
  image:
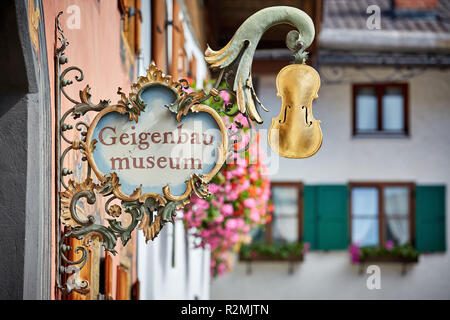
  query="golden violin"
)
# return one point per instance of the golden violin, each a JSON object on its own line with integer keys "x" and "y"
{"x": 295, "y": 133}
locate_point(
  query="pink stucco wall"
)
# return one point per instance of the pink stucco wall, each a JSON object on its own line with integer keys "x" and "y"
{"x": 95, "y": 48}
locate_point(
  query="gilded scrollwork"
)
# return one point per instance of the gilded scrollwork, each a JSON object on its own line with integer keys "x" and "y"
{"x": 144, "y": 211}
{"x": 133, "y": 106}
{"x": 69, "y": 198}
{"x": 150, "y": 211}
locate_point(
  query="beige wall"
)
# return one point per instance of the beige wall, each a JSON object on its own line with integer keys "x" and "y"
{"x": 188, "y": 278}
{"x": 422, "y": 158}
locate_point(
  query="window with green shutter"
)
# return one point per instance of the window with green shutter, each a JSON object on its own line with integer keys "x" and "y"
{"x": 326, "y": 216}
{"x": 285, "y": 225}
{"x": 430, "y": 218}
{"x": 381, "y": 213}
{"x": 326, "y": 222}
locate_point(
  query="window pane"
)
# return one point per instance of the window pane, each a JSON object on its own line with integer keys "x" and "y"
{"x": 397, "y": 231}
{"x": 365, "y": 216}
{"x": 396, "y": 201}
{"x": 365, "y": 232}
{"x": 285, "y": 201}
{"x": 284, "y": 229}
{"x": 366, "y": 110}
{"x": 393, "y": 110}
{"x": 258, "y": 234}
{"x": 365, "y": 201}
{"x": 285, "y": 214}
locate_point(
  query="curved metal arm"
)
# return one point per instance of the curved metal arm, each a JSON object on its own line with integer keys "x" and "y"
{"x": 238, "y": 53}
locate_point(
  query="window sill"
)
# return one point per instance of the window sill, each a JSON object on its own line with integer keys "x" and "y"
{"x": 386, "y": 259}
{"x": 381, "y": 135}
{"x": 291, "y": 260}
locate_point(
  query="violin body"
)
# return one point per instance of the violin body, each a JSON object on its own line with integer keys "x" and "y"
{"x": 295, "y": 133}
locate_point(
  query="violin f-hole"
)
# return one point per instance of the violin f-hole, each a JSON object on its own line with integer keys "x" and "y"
{"x": 285, "y": 115}
{"x": 306, "y": 116}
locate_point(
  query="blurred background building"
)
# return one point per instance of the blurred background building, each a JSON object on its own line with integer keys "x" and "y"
{"x": 382, "y": 172}
{"x": 380, "y": 177}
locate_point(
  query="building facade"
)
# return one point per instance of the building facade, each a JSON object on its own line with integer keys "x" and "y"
{"x": 381, "y": 175}
{"x": 380, "y": 178}
{"x": 110, "y": 43}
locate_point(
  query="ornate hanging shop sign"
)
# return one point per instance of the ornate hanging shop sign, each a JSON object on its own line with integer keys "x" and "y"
{"x": 151, "y": 149}
{"x": 159, "y": 144}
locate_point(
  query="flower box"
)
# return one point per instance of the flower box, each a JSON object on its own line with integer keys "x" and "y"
{"x": 259, "y": 257}
{"x": 280, "y": 252}
{"x": 293, "y": 251}
{"x": 403, "y": 254}
{"x": 388, "y": 253}
{"x": 382, "y": 259}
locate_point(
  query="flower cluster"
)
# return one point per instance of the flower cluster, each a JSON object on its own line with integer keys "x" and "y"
{"x": 354, "y": 251}
{"x": 357, "y": 252}
{"x": 239, "y": 199}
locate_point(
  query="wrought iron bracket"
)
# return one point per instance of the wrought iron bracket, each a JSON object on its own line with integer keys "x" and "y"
{"x": 149, "y": 212}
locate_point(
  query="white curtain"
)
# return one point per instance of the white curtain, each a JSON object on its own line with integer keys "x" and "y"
{"x": 396, "y": 209}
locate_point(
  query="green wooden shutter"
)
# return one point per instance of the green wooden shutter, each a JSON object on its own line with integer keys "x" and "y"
{"x": 326, "y": 216}
{"x": 310, "y": 216}
{"x": 332, "y": 209}
{"x": 430, "y": 218}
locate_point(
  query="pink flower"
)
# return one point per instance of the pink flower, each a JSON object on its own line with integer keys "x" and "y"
{"x": 243, "y": 120}
{"x": 188, "y": 90}
{"x": 235, "y": 238}
{"x": 220, "y": 198}
{"x": 205, "y": 233}
{"x": 306, "y": 247}
{"x": 239, "y": 171}
{"x": 240, "y": 223}
{"x": 231, "y": 228}
{"x": 250, "y": 203}
{"x": 213, "y": 188}
{"x": 227, "y": 209}
{"x": 355, "y": 251}
{"x": 245, "y": 185}
{"x": 233, "y": 195}
{"x": 241, "y": 162}
{"x": 389, "y": 245}
{"x": 229, "y": 175}
{"x": 221, "y": 268}
{"x": 254, "y": 215}
{"x": 187, "y": 215}
{"x": 231, "y": 224}
{"x": 225, "y": 96}
{"x": 202, "y": 204}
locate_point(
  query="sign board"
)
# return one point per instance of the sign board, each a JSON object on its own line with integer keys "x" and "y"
{"x": 149, "y": 150}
